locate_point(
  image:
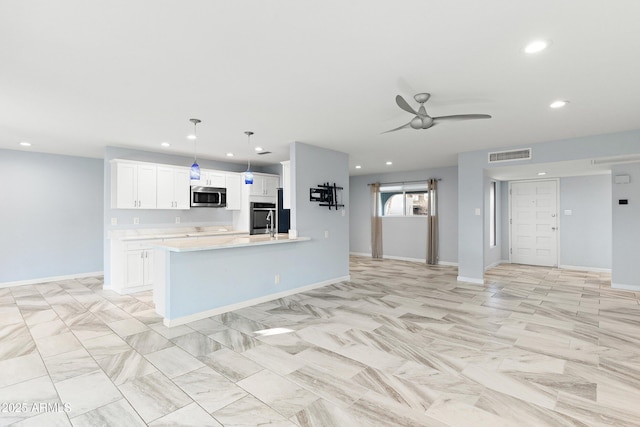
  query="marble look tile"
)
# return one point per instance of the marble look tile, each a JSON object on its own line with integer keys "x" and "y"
{"x": 209, "y": 389}
{"x": 230, "y": 364}
{"x": 174, "y": 361}
{"x": 237, "y": 341}
{"x": 147, "y": 342}
{"x": 322, "y": 413}
{"x": 274, "y": 359}
{"x": 154, "y": 396}
{"x": 338, "y": 365}
{"x": 49, "y": 419}
{"x": 35, "y": 391}
{"x": 106, "y": 345}
{"x": 118, "y": 413}
{"x": 127, "y": 327}
{"x": 249, "y": 411}
{"x": 207, "y": 326}
{"x": 125, "y": 366}
{"x": 71, "y": 364}
{"x": 87, "y": 392}
{"x": 9, "y": 315}
{"x": 172, "y": 332}
{"x": 196, "y": 344}
{"x": 33, "y": 317}
{"x": 190, "y": 416}
{"x": 111, "y": 315}
{"x": 21, "y": 368}
{"x": 18, "y": 344}
{"x": 47, "y": 329}
{"x": 280, "y": 394}
{"x": 339, "y": 390}
{"x": 57, "y": 344}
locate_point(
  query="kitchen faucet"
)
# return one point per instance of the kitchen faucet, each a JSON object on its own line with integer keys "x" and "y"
{"x": 272, "y": 231}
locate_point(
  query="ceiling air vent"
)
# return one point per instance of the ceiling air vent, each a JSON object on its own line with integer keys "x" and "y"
{"x": 510, "y": 155}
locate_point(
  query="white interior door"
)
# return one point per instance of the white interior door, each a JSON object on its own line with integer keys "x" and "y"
{"x": 534, "y": 222}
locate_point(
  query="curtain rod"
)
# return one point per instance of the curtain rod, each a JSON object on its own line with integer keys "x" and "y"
{"x": 405, "y": 182}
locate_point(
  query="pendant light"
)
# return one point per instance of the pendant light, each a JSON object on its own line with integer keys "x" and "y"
{"x": 195, "y": 168}
{"x": 248, "y": 175}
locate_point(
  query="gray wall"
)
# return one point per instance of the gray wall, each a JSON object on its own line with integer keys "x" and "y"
{"x": 406, "y": 237}
{"x": 322, "y": 258}
{"x": 471, "y": 194}
{"x": 50, "y": 215}
{"x": 585, "y": 235}
{"x": 626, "y": 228}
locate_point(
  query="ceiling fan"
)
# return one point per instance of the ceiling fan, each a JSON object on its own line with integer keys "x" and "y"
{"x": 424, "y": 121}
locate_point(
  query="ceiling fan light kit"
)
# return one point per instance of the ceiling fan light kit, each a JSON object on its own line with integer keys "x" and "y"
{"x": 422, "y": 120}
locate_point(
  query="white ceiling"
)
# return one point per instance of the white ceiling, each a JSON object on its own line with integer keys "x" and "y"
{"x": 78, "y": 75}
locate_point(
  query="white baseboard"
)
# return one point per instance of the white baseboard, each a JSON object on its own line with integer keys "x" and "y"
{"x": 360, "y": 254}
{"x": 625, "y": 287}
{"x": 400, "y": 258}
{"x": 581, "y": 268}
{"x": 495, "y": 264}
{"x": 214, "y": 312}
{"x": 470, "y": 280}
{"x": 49, "y": 279}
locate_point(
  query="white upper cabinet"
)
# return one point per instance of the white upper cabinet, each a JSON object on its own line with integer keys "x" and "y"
{"x": 233, "y": 182}
{"x": 173, "y": 188}
{"x": 133, "y": 185}
{"x": 210, "y": 178}
{"x": 264, "y": 185}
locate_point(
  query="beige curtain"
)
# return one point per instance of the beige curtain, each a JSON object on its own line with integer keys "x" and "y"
{"x": 432, "y": 223}
{"x": 376, "y": 222}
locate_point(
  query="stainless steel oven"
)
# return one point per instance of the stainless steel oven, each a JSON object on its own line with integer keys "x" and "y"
{"x": 262, "y": 217}
{"x": 210, "y": 197}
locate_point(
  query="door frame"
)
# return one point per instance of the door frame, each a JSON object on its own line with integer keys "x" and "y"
{"x": 557, "y": 181}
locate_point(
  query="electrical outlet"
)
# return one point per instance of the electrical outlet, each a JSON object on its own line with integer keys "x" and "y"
{"x": 277, "y": 279}
{"x": 114, "y": 221}
{"x": 136, "y": 220}
{"x": 326, "y": 234}
{"x": 177, "y": 220}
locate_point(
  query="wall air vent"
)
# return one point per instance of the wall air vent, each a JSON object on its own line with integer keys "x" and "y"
{"x": 510, "y": 155}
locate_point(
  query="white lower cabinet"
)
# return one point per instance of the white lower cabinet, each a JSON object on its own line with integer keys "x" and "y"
{"x": 131, "y": 267}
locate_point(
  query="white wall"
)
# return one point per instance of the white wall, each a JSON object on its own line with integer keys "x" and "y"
{"x": 50, "y": 216}
{"x": 585, "y": 234}
{"x": 406, "y": 237}
{"x": 626, "y": 228}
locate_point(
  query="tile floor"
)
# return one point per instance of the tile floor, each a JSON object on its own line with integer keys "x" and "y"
{"x": 400, "y": 344}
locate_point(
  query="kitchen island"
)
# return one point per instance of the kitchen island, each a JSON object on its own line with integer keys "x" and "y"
{"x": 198, "y": 278}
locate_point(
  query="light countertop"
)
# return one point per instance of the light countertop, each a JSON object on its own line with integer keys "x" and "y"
{"x": 223, "y": 242}
{"x": 173, "y": 233}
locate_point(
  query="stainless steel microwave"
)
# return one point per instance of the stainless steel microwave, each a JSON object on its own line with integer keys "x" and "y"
{"x": 208, "y": 197}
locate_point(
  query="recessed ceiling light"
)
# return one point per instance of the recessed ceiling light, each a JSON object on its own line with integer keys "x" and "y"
{"x": 25, "y": 144}
{"x": 165, "y": 144}
{"x": 536, "y": 46}
{"x": 389, "y": 163}
{"x": 358, "y": 167}
{"x": 229, "y": 154}
{"x": 192, "y": 137}
{"x": 558, "y": 104}
{"x": 541, "y": 173}
{"x": 258, "y": 148}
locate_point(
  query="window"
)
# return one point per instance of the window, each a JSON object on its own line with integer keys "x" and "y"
{"x": 492, "y": 214}
{"x": 404, "y": 200}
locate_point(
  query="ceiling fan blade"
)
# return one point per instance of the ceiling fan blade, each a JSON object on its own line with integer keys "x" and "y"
{"x": 398, "y": 128}
{"x": 405, "y": 105}
{"x": 463, "y": 117}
